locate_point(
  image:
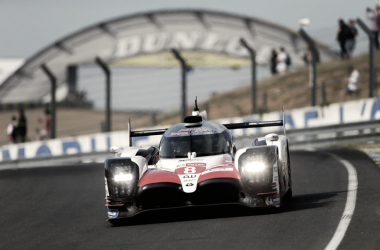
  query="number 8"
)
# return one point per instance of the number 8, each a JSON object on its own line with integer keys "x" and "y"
{"x": 190, "y": 170}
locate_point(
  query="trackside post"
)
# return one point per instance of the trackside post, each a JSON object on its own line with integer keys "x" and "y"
{"x": 107, "y": 73}
{"x": 313, "y": 64}
{"x": 252, "y": 54}
{"x": 53, "y": 81}
{"x": 371, "y": 55}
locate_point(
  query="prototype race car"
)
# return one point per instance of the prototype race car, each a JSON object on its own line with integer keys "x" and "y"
{"x": 197, "y": 164}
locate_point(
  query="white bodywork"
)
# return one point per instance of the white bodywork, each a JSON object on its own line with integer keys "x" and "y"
{"x": 212, "y": 163}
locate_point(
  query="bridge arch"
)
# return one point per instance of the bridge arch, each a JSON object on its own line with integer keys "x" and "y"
{"x": 205, "y": 38}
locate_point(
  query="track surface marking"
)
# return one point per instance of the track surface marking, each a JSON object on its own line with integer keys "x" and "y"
{"x": 63, "y": 208}
{"x": 349, "y": 207}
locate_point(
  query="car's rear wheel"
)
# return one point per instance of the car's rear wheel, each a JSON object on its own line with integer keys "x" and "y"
{"x": 280, "y": 184}
{"x": 289, "y": 194}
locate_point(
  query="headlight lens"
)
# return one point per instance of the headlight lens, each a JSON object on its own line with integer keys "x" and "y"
{"x": 123, "y": 177}
{"x": 255, "y": 167}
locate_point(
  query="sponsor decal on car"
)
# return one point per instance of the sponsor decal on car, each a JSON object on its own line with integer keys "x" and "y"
{"x": 186, "y": 160}
{"x": 204, "y": 132}
{"x": 179, "y": 133}
{"x": 272, "y": 200}
{"x": 189, "y": 176}
{"x": 112, "y": 213}
{"x": 196, "y": 164}
{"x": 192, "y": 129}
{"x": 217, "y": 169}
{"x": 189, "y": 182}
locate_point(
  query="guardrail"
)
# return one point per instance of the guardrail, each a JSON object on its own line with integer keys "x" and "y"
{"x": 51, "y": 161}
{"x": 356, "y": 132}
{"x": 339, "y": 123}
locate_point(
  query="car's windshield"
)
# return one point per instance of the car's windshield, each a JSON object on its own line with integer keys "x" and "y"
{"x": 203, "y": 145}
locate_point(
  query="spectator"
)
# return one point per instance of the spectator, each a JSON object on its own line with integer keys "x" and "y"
{"x": 343, "y": 34}
{"x": 281, "y": 61}
{"x": 374, "y": 16}
{"x": 307, "y": 56}
{"x": 45, "y": 131}
{"x": 11, "y": 129}
{"x": 21, "y": 127}
{"x": 273, "y": 62}
{"x": 353, "y": 82}
{"x": 350, "y": 43}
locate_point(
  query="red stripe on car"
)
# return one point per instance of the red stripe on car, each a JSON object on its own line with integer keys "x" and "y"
{"x": 156, "y": 176}
{"x": 221, "y": 174}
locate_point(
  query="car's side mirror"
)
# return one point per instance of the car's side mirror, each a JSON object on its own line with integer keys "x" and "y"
{"x": 271, "y": 137}
{"x": 117, "y": 150}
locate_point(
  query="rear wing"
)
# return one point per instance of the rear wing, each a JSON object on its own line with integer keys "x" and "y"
{"x": 254, "y": 124}
{"x": 228, "y": 126}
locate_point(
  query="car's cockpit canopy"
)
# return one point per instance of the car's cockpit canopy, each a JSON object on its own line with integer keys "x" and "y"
{"x": 210, "y": 138}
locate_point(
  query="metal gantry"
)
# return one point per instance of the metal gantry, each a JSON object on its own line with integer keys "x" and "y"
{"x": 103, "y": 65}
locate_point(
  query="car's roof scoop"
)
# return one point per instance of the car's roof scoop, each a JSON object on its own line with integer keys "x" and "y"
{"x": 196, "y": 117}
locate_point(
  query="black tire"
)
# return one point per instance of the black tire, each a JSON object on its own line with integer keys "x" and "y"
{"x": 280, "y": 184}
{"x": 289, "y": 194}
{"x": 116, "y": 223}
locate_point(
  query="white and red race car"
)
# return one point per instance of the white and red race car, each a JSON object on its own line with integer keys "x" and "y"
{"x": 197, "y": 164}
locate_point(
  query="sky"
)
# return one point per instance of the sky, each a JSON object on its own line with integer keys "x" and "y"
{"x": 27, "y": 26}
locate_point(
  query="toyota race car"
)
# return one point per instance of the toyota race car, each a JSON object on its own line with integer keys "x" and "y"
{"x": 197, "y": 164}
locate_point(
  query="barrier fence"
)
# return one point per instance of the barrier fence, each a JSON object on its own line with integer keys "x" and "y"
{"x": 350, "y": 122}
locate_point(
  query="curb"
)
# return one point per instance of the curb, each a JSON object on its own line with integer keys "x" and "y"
{"x": 373, "y": 151}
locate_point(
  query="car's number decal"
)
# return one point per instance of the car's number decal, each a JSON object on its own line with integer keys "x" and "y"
{"x": 189, "y": 175}
{"x": 190, "y": 170}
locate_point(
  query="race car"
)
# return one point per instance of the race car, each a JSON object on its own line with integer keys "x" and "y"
{"x": 197, "y": 164}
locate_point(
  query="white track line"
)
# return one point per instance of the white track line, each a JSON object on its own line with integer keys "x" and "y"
{"x": 350, "y": 205}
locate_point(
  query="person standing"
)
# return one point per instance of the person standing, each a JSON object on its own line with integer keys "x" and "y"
{"x": 281, "y": 61}
{"x": 21, "y": 127}
{"x": 273, "y": 62}
{"x": 11, "y": 129}
{"x": 343, "y": 34}
{"x": 353, "y": 82}
{"x": 350, "y": 43}
{"x": 307, "y": 56}
{"x": 45, "y": 131}
{"x": 374, "y": 16}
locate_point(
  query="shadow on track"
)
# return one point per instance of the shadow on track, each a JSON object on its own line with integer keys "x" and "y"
{"x": 309, "y": 201}
{"x": 298, "y": 202}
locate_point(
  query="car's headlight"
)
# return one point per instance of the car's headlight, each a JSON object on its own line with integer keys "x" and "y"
{"x": 123, "y": 177}
{"x": 255, "y": 166}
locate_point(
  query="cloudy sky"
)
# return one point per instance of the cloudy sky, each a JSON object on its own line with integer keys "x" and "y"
{"x": 27, "y": 26}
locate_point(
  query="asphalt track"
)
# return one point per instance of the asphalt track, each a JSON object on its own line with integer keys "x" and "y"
{"x": 63, "y": 208}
